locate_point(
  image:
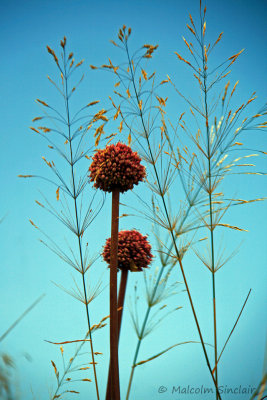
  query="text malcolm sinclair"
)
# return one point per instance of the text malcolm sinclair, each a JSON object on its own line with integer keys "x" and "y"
{"x": 204, "y": 390}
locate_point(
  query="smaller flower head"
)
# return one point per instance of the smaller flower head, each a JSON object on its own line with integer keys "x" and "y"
{"x": 134, "y": 251}
{"x": 116, "y": 166}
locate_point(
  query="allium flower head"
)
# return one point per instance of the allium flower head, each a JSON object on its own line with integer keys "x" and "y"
{"x": 134, "y": 251}
{"x": 116, "y": 166}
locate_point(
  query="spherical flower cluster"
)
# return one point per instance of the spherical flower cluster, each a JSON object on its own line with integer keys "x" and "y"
{"x": 116, "y": 167}
{"x": 134, "y": 251}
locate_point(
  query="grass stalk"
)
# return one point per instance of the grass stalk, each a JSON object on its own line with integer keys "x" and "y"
{"x": 171, "y": 230}
{"x": 67, "y": 369}
{"x": 183, "y": 220}
{"x": 211, "y": 228}
{"x": 77, "y": 222}
{"x": 142, "y": 334}
{"x": 21, "y": 317}
{"x": 211, "y": 240}
{"x": 232, "y": 330}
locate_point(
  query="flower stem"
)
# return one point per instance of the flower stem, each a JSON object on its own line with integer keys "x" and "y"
{"x": 114, "y": 362}
{"x": 122, "y": 290}
{"x": 123, "y": 284}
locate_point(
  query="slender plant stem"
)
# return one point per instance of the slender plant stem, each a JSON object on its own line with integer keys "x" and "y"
{"x": 210, "y": 190}
{"x": 260, "y": 389}
{"x": 114, "y": 361}
{"x": 139, "y": 341}
{"x": 21, "y": 317}
{"x": 78, "y": 225}
{"x": 230, "y": 334}
{"x": 122, "y": 290}
{"x": 152, "y": 299}
{"x": 171, "y": 227}
{"x": 66, "y": 370}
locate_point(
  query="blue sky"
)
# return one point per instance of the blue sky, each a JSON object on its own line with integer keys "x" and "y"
{"x": 28, "y": 268}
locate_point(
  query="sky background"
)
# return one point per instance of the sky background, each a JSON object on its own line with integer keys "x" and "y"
{"x": 29, "y": 269}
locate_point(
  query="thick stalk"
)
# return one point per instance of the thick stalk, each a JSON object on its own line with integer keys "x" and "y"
{"x": 122, "y": 290}
{"x": 171, "y": 229}
{"x": 114, "y": 361}
{"x": 78, "y": 227}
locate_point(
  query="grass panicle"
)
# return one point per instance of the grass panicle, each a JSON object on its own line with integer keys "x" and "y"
{"x": 67, "y": 134}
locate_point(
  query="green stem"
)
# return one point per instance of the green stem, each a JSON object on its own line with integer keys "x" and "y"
{"x": 155, "y": 290}
{"x": 171, "y": 228}
{"x": 78, "y": 225}
{"x": 66, "y": 370}
{"x": 21, "y": 317}
{"x": 210, "y": 190}
{"x": 140, "y": 339}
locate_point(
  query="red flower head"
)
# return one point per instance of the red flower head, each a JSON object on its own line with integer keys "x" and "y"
{"x": 116, "y": 167}
{"x": 134, "y": 251}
